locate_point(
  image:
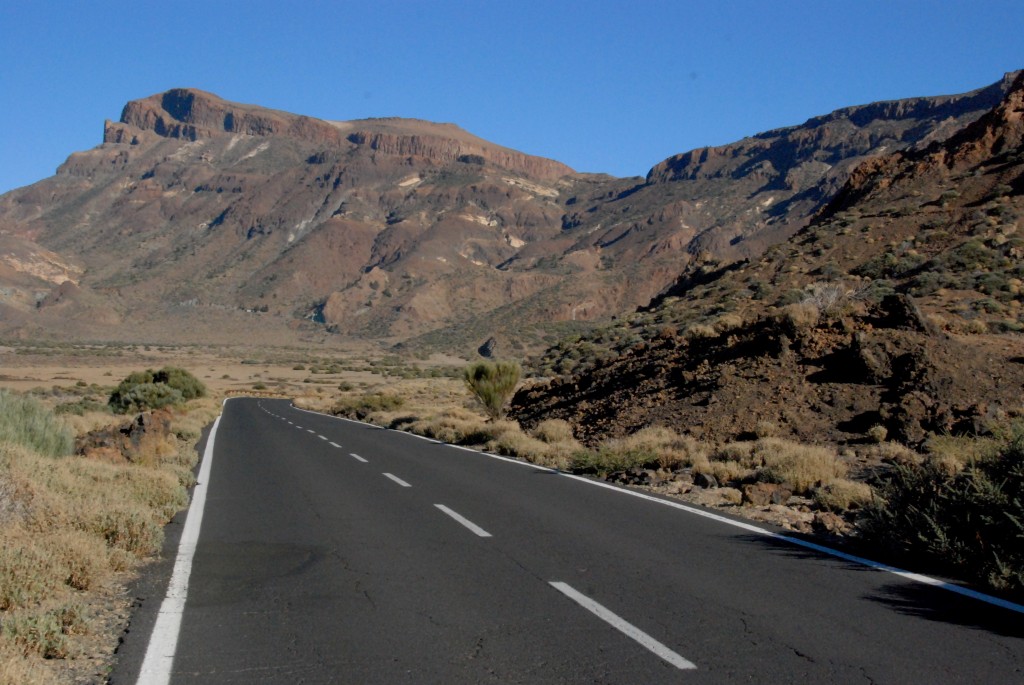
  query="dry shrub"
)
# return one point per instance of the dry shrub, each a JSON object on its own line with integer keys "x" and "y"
{"x": 188, "y": 425}
{"x": 67, "y": 522}
{"x": 775, "y": 460}
{"x": 91, "y": 421}
{"x": 455, "y": 426}
{"x": 699, "y": 331}
{"x": 802, "y": 466}
{"x": 842, "y": 495}
{"x": 318, "y": 403}
{"x": 727, "y": 322}
{"x": 45, "y": 633}
{"x": 15, "y": 669}
{"x": 666, "y": 448}
{"x": 894, "y": 452}
{"x": 518, "y": 444}
{"x": 801, "y": 314}
{"x": 29, "y": 573}
{"x": 766, "y": 429}
{"x": 83, "y": 558}
{"x": 877, "y": 433}
{"x": 960, "y": 451}
{"x": 724, "y": 471}
{"x": 131, "y": 529}
{"x": 741, "y": 453}
{"x": 554, "y": 430}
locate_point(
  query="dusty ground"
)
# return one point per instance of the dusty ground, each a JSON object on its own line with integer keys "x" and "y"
{"x": 26, "y": 367}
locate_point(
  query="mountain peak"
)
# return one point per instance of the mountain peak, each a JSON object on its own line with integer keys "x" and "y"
{"x": 193, "y": 114}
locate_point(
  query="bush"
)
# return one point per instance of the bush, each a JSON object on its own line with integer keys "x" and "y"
{"x": 553, "y": 431}
{"x": 968, "y": 520}
{"x": 26, "y": 422}
{"x": 492, "y": 383}
{"x": 805, "y": 467}
{"x": 362, "y": 407}
{"x": 155, "y": 389}
{"x": 143, "y": 396}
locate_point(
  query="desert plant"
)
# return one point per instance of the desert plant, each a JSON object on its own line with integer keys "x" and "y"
{"x": 24, "y": 421}
{"x": 553, "y": 431}
{"x": 877, "y": 433}
{"x": 968, "y": 520}
{"x": 805, "y": 467}
{"x": 492, "y": 383}
{"x": 362, "y": 407}
{"x": 155, "y": 389}
{"x": 842, "y": 495}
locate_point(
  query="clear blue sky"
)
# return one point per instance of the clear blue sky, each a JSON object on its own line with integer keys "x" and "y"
{"x": 601, "y": 86}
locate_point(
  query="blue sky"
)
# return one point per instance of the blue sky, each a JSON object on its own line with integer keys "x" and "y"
{"x": 602, "y": 86}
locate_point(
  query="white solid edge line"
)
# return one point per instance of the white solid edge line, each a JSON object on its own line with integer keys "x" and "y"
{"x": 878, "y": 566}
{"x": 163, "y": 643}
{"x": 397, "y": 480}
{"x": 464, "y": 521}
{"x": 624, "y": 626}
{"x": 357, "y": 457}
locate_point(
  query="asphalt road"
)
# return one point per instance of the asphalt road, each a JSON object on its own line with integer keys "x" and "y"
{"x": 335, "y": 552}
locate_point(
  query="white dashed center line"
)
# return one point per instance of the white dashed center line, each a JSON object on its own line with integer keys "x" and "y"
{"x": 623, "y": 626}
{"x": 357, "y": 457}
{"x": 397, "y": 480}
{"x": 464, "y": 521}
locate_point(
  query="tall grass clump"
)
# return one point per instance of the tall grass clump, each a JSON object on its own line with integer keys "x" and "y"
{"x": 26, "y": 422}
{"x": 968, "y": 520}
{"x": 492, "y": 383}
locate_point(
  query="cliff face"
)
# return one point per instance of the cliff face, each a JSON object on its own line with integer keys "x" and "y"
{"x": 831, "y": 139}
{"x": 192, "y": 115}
{"x": 996, "y": 134}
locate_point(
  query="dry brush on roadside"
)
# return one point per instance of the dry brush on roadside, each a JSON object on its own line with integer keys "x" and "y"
{"x": 75, "y": 516}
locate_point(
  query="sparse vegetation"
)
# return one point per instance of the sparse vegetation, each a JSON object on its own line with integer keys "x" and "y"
{"x": 69, "y": 523}
{"x": 966, "y": 518}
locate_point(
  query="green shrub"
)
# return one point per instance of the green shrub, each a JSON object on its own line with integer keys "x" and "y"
{"x": 142, "y": 396}
{"x": 492, "y": 383}
{"x": 968, "y": 521}
{"x": 26, "y": 422}
{"x": 154, "y": 389}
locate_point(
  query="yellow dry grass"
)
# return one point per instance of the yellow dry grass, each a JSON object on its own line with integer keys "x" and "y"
{"x": 69, "y": 525}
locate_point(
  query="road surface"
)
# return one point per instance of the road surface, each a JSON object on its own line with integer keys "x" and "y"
{"x": 336, "y": 552}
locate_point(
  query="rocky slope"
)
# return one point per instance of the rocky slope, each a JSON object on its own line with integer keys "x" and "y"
{"x": 212, "y": 220}
{"x": 895, "y": 313}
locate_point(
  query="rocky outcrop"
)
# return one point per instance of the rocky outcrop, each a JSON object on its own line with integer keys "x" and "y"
{"x": 193, "y": 114}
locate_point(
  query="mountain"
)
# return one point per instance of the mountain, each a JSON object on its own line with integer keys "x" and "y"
{"x": 207, "y": 220}
{"x": 897, "y": 311}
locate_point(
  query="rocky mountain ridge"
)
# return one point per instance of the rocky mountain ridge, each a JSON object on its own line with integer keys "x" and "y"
{"x": 896, "y": 312}
{"x": 222, "y": 220}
